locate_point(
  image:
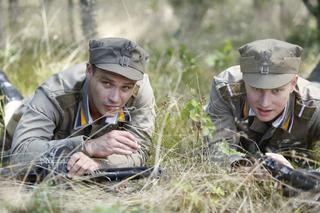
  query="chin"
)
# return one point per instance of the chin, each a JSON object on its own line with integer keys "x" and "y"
{"x": 110, "y": 113}
{"x": 266, "y": 118}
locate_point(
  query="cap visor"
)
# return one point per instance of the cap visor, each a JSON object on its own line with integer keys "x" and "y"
{"x": 270, "y": 81}
{"x": 127, "y": 72}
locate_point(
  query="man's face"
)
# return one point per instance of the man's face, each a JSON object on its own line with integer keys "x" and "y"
{"x": 108, "y": 92}
{"x": 267, "y": 104}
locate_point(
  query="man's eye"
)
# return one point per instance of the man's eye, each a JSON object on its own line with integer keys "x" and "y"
{"x": 106, "y": 83}
{"x": 275, "y": 91}
{"x": 126, "y": 88}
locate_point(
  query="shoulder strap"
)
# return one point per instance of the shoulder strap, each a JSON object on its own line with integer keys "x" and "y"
{"x": 68, "y": 99}
{"x": 231, "y": 90}
{"x": 136, "y": 90}
{"x": 304, "y": 109}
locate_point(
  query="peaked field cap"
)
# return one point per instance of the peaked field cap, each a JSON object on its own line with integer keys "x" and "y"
{"x": 118, "y": 55}
{"x": 269, "y": 63}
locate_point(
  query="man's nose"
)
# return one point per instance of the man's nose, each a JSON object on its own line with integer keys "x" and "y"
{"x": 114, "y": 96}
{"x": 264, "y": 99}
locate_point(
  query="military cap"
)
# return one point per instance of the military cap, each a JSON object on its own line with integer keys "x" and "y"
{"x": 118, "y": 55}
{"x": 269, "y": 63}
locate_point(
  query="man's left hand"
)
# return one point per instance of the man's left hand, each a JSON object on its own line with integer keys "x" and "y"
{"x": 79, "y": 164}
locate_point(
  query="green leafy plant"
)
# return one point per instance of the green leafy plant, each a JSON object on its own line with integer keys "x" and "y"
{"x": 224, "y": 147}
{"x": 222, "y": 57}
{"x": 195, "y": 112}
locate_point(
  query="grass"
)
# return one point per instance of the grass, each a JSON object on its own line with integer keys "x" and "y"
{"x": 181, "y": 77}
{"x": 189, "y": 183}
{"x": 190, "y": 187}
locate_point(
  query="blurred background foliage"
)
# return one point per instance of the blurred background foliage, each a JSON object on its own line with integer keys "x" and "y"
{"x": 189, "y": 41}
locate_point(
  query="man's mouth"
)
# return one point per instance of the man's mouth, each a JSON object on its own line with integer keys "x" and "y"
{"x": 264, "y": 112}
{"x": 112, "y": 108}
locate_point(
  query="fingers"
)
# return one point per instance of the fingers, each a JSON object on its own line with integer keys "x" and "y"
{"x": 279, "y": 158}
{"x": 80, "y": 164}
{"x": 85, "y": 167}
{"x": 73, "y": 159}
{"x": 127, "y": 134}
{"x": 122, "y": 151}
{"x": 125, "y": 138}
{"x": 114, "y": 142}
{"x": 125, "y": 143}
{"x": 118, "y": 145}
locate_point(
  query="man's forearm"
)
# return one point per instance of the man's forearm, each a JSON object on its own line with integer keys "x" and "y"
{"x": 32, "y": 149}
{"x": 225, "y": 154}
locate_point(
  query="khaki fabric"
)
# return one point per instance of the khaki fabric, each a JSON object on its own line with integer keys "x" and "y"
{"x": 269, "y": 63}
{"x": 48, "y": 119}
{"x": 296, "y": 135}
{"x": 118, "y": 55}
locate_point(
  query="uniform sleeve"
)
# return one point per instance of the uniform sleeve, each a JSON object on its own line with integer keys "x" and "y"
{"x": 35, "y": 131}
{"x": 142, "y": 122}
{"x": 314, "y": 135}
{"x": 222, "y": 147}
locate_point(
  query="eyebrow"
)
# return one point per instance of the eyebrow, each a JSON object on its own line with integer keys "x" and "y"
{"x": 113, "y": 81}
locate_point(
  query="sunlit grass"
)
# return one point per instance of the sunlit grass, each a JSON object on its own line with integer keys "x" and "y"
{"x": 189, "y": 182}
{"x": 183, "y": 187}
{"x": 180, "y": 71}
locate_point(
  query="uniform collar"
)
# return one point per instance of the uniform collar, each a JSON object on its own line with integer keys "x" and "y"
{"x": 83, "y": 116}
{"x": 278, "y": 121}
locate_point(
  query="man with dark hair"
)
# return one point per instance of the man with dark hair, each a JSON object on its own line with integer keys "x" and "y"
{"x": 102, "y": 112}
{"x": 263, "y": 106}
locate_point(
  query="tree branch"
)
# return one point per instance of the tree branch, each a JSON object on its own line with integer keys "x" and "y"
{"x": 312, "y": 9}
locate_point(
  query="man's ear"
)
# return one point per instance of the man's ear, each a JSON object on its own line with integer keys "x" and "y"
{"x": 89, "y": 70}
{"x": 293, "y": 83}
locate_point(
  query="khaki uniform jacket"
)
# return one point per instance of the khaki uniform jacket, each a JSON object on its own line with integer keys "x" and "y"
{"x": 48, "y": 119}
{"x": 295, "y": 136}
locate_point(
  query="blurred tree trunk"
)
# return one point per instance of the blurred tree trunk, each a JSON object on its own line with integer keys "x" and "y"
{"x": 315, "y": 74}
{"x": 314, "y": 9}
{"x": 195, "y": 18}
{"x": 259, "y": 4}
{"x": 71, "y": 20}
{"x": 87, "y": 18}
{"x": 47, "y": 5}
{"x": 191, "y": 14}
{"x": 44, "y": 10}
{"x": 13, "y": 15}
{"x": 2, "y": 29}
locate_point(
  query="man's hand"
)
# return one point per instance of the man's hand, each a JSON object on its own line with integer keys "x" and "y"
{"x": 279, "y": 158}
{"x": 252, "y": 168}
{"x": 114, "y": 142}
{"x": 79, "y": 164}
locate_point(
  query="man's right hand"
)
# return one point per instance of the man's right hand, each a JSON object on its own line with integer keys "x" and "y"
{"x": 255, "y": 169}
{"x": 114, "y": 142}
{"x": 279, "y": 158}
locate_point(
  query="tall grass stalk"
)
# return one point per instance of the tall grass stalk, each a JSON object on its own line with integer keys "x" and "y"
{"x": 180, "y": 76}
